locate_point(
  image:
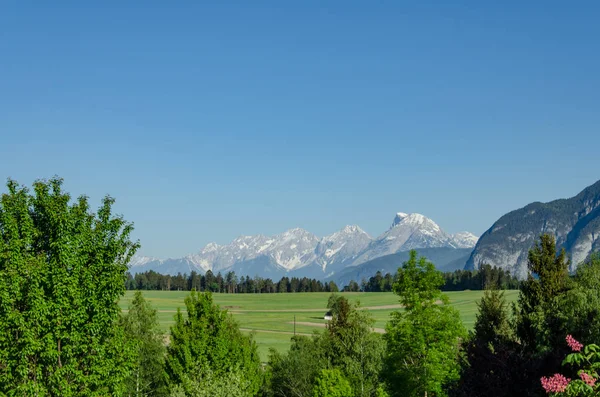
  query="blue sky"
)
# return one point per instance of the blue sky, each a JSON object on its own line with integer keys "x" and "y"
{"x": 211, "y": 120}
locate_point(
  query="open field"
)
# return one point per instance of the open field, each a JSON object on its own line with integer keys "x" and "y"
{"x": 271, "y": 316}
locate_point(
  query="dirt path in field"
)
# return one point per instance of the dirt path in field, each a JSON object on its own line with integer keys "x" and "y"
{"x": 274, "y": 332}
{"x": 321, "y": 325}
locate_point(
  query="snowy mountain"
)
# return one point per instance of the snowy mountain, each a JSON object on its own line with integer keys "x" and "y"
{"x": 410, "y": 231}
{"x": 340, "y": 248}
{"x": 463, "y": 240}
{"x": 297, "y": 252}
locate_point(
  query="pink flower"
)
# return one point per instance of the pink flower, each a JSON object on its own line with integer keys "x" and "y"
{"x": 555, "y": 384}
{"x": 588, "y": 379}
{"x": 573, "y": 344}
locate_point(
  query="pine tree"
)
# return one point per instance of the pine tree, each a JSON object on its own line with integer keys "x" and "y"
{"x": 548, "y": 278}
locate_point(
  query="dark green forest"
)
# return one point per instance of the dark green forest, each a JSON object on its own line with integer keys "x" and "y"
{"x": 458, "y": 280}
{"x": 63, "y": 269}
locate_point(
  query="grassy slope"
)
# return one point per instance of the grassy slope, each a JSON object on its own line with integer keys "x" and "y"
{"x": 255, "y": 311}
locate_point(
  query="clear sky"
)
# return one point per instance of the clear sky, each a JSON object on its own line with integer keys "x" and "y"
{"x": 211, "y": 120}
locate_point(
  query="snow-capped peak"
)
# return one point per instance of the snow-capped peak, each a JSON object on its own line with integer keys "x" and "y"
{"x": 210, "y": 247}
{"x": 139, "y": 260}
{"x": 464, "y": 240}
{"x": 346, "y": 230}
{"x": 297, "y": 248}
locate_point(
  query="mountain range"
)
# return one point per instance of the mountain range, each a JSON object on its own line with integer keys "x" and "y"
{"x": 300, "y": 253}
{"x": 351, "y": 253}
{"x": 575, "y": 223}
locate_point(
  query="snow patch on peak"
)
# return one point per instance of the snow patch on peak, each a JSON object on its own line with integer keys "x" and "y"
{"x": 464, "y": 240}
{"x": 410, "y": 219}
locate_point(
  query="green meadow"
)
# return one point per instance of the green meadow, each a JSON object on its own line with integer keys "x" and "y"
{"x": 271, "y": 316}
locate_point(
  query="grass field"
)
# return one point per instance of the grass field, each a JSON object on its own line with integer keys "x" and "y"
{"x": 271, "y": 316}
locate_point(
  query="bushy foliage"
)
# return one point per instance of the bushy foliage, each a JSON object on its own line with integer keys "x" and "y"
{"x": 331, "y": 383}
{"x": 353, "y": 347}
{"x": 203, "y": 382}
{"x": 62, "y": 273}
{"x": 208, "y": 338}
{"x": 294, "y": 373}
{"x": 423, "y": 340}
{"x": 148, "y": 348}
{"x": 586, "y": 359}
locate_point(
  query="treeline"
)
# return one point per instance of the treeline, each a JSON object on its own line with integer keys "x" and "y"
{"x": 230, "y": 283}
{"x": 458, "y": 280}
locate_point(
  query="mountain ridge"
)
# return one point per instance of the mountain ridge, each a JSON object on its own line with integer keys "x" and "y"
{"x": 574, "y": 222}
{"x": 299, "y": 252}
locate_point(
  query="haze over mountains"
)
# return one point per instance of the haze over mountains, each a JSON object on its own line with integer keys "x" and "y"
{"x": 300, "y": 253}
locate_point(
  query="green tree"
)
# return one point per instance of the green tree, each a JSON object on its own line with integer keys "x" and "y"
{"x": 143, "y": 333}
{"x": 492, "y": 321}
{"x": 209, "y": 339}
{"x": 353, "y": 347}
{"x": 293, "y": 374}
{"x": 331, "y": 383}
{"x": 208, "y": 384}
{"x": 579, "y": 307}
{"x": 494, "y": 364}
{"x": 548, "y": 278}
{"x": 62, "y": 272}
{"x": 423, "y": 340}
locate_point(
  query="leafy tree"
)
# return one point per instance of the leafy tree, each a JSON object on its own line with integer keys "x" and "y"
{"x": 293, "y": 374}
{"x": 62, "y": 272}
{"x": 142, "y": 331}
{"x": 353, "y": 347}
{"x": 331, "y": 383}
{"x": 423, "y": 340}
{"x": 208, "y": 384}
{"x": 579, "y": 307}
{"x": 209, "y": 339}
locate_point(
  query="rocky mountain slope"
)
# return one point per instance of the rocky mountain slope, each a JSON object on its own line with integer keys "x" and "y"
{"x": 575, "y": 223}
{"x": 297, "y": 252}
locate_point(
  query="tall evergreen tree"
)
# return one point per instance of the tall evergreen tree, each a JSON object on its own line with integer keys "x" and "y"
{"x": 494, "y": 364}
{"x": 62, "y": 272}
{"x": 548, "y": 278}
